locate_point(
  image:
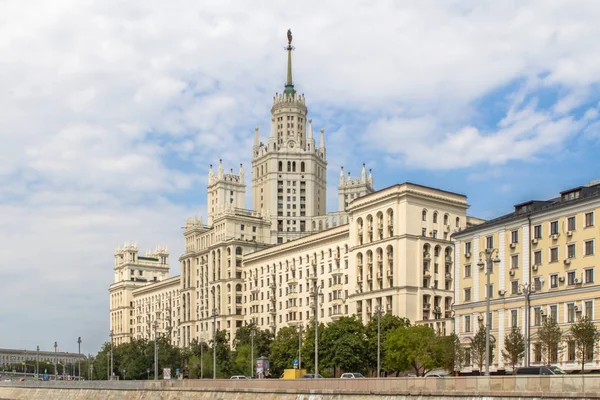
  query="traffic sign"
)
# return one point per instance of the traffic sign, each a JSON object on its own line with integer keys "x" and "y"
{"x": 295, "y": 363}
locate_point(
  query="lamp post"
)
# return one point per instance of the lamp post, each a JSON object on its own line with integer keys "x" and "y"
{"x": 252, "y": 353}
{"x": 316, "y": 292}
{"x": 107, "y": 366}
{"x": 202, "y": 360}
{"x": 37, "y": 361}
{"x": 214, "y": 316}
{"x": 527, "y": 289}
{"x": 79, "y": 358}
{"x": 488, "y": 254}
{"x": 111, "y": 355}
{"x": 300, "y": 326}
{"x": 154, "y": 326}
{"x": 55, "y": 361}
{"x": 378, "y": 312}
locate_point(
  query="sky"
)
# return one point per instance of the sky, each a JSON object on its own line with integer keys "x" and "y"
{"x": 112, "y": 111}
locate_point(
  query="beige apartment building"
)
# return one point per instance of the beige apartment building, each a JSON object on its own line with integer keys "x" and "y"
{"x": 547, "y": 253}
{"x": 383, "y": 251}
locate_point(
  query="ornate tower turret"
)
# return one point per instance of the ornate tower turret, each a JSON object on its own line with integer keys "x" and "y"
{"x": 225, "y": 190}
{"x": 352, "y": 188}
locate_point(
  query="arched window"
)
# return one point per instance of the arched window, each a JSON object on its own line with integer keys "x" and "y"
{"x": 435, "y": 215}
{"x": 424, "y": 215}
{"x": 280, "y": 166}
{"x": 446, "y": 219}
{"x": 302, "y": 166}
{"x": 457, "y": 222}
{"x": 294, "y": 166}
{"x": 289, "y": 166}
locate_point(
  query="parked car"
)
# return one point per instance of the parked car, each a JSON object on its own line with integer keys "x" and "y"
{"x": 312, "y": 376}
{"x": 543, "y": 370}
{"x": 351, "y": 375}
{"x": 238, "y": 377}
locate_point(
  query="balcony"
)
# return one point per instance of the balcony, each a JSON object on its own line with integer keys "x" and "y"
{"x": 369, "y": 277}
{"x": 337, "y": 271}
{"x": 337, "y": 315}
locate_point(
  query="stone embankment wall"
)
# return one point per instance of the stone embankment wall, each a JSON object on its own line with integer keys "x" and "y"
{"x": 473, "y": 388}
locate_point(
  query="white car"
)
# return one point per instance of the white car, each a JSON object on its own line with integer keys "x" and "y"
{"x": 351, "y": 375}
{"x": 238, "y": 377}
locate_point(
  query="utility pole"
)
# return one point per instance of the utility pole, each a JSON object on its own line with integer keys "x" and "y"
{"x": 214, "y": 343}
{"x": 37, "y": 362}
{"x": 316, "y": 293}
{"x": 79, "y": 358}
{"x": 202, "y": 360}
{"x": 155, "y": 325}
{"x": 488, "y": 254}
{"x": 111, "y": 355}
{"x": 55, "y": 361}
{"x": 378, "y": 311}
{"x": 300, "y": 346}
{"x": 252, "y": 354}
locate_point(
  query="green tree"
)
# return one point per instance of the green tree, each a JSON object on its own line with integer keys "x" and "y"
{"x": 514, "y": 347}
{"x": 450, "y": 352}
{"x": 412, "y": 347}
{"x": 478, "y": 348}
{"x": 284, "y": 350}
{"x": 225, "y": 365}
{"x": 388, "y": 323}
{"x": 584, "y": 335}
{"x": 549, "y": 335}
{"x": 308, "y": 347}
{"x": 344, "y": 345}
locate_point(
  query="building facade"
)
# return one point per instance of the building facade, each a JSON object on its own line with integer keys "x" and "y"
{"x": 383, "y": 251}
{"x": 546, "y": 269}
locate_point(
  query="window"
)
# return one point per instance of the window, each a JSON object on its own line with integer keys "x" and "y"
{"x": 435, "y": 217}
{"x": 553, "y": 281}
{"x": 434, "y": 234}
{"x": 537, "y": 257}
{"x": 514, "y": 237}
{"x": 570, "y": 350}
{"x": 468, "y": 271}
{"x": 554, "y": 313}
{"x": 424, "y": 215}
{"x": 589, "y": 309}
{"x": 514, "y": 318}
{"x": 571, "y": 312}
{"x": 537, "y": 283}
{"x": 514, "y": 287}
{"x": 589, "y": 219}
{"x": 467, "y": 294}
{"x": 589, "y": 275}
{"x": 554, "y": 227}
{"x": 589, "y": 248}
{"x": 571, "y": 277}
{"x": 467, "y": 323}
{"x": 514, "y": 261}
{"x": 424, "y": 232}
{"x": 571, "y": 224}
{"x": 490, "y": 291}
{"x": 537, "y": 316}
{"x": 468, "y": 247}
{"x": 537, "y": 232}
{"x": 554, "y": 254}
{"x": 571, "y": 250}
{"x": 489, "y": 242}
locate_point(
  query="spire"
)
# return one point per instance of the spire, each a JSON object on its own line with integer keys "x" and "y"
{"x": 349, "y": 178}
{"x": 221, "y": 171}
{"x": 322, "y": 138}
{"x": 241, "y": 173}
{"x": 256, "y": 138}
{"x": 342, "y": 176}
{"x": 211, "y": 174}
{"x": 371, "y": 177}
{"x": 289, "y": 83}
{"x": 363, "y": 174}
{"x": 310, "y": 132}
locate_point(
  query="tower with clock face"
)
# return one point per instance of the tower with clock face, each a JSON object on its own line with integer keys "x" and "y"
{"x": 289, "y": 171}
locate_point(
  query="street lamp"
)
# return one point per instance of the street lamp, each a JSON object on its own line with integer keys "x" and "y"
{"x": 79, "y": 358}
{"x": 527, "y": 289}
{"x": 214, "y": 316}
{"x": 491, "y": 256}
{"x": 317, "y": 291}
{"x": 111, "y": 355}
{"x": 55, "y": 361}
{"x": 378, "y": 312}
{"x": 202, "y": 359}
{"x": 154, "y": 326}
{"x": 252, "y": 353}
{"x": 37, "y": 361}
{"x": 300, "y": 326}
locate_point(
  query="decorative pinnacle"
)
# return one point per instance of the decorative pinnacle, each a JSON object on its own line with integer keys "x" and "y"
{"x": 289, "y": 85}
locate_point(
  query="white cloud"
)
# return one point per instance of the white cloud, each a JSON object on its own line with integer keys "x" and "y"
{"x": 112, "y": 111}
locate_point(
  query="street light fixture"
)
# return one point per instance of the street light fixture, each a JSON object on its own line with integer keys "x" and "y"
{"x": 79, "y": 358}
{"x": 527, "y": 289}
{"x": 111, "y": 355}
{"x": 378, "y": 311}
{"x": 37, "y": 362}
{"x": 202, "y": 359}
{"x": 154, "y": 326}
{"x": 317, "y": 291}
{"x": 55, "y": 361}
{"x": 252, "y": 353}
{"x": 214, "y": 316}
{"x": 300, "y": 326}
{"x": 491, "y": 256}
